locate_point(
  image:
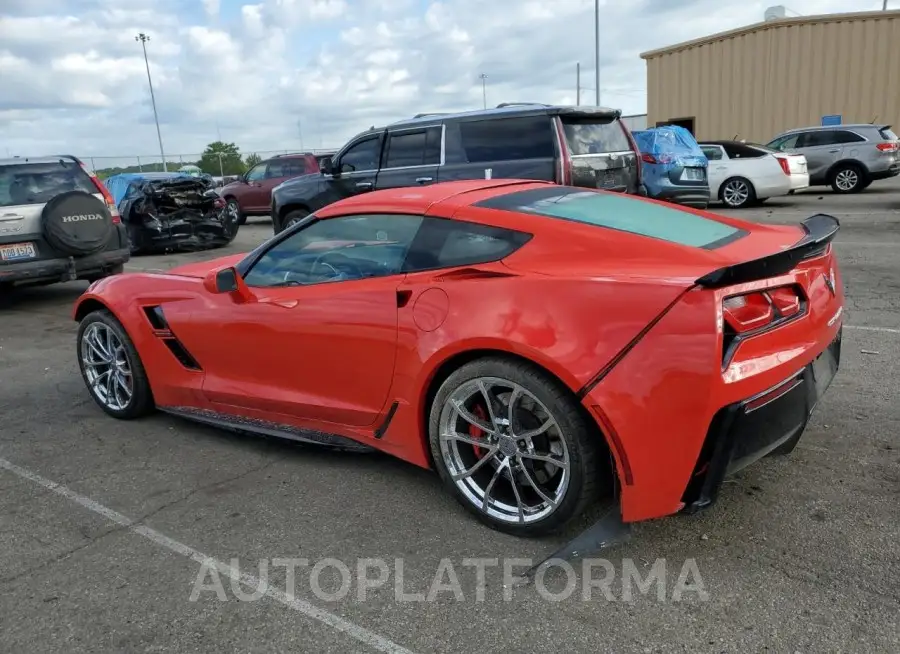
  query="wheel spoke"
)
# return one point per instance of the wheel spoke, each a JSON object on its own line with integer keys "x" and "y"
{"x": 476, "y": 466}
{"x": 490, "y": 487}
{"x": 559, "y": 463}
{"x": 472, "y": 420}
{"x": 100, "y": 379}
{"x": 465, "y": 438}
{"x": 531, "y": 433}
{"x": 514, "y": 397}
{"x": 515, "y": 489}
{"x": 487, "y": 400}
{"x": 534, "y": 485}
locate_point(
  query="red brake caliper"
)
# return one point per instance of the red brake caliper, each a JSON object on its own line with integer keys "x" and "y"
{"x": 475, "y": 432}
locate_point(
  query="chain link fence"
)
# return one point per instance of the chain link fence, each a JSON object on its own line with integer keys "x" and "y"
{"x": 217, "y": 165}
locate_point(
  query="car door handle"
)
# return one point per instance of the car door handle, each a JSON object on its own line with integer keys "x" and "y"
{"x": 364, "y": 185}
{"x": 9, "y": 217}
{"x": 423, "y": 180}
{"x": 833, "y": 151}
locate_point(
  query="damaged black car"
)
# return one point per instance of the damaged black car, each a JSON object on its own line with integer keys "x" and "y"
{"x": 171, "y": 212}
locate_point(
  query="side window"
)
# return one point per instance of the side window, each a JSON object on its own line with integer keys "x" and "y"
{"x": 785, "y": 142}
{"x": 847, "y": 137}
{"x": 258, "y": 172}
{"x": 414, "y": 148}
{"x": 813, "y": 139}
{"x": 443, "y": 243}
{"x": 362, "y": 155}
{"x": 712, "y": 153}
{"x": 507, "y": 139}
{"x": 338, "y": 249}
{"x": 285, "y": 168}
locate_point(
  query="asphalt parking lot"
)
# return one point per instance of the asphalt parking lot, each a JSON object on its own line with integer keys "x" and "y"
{"x": 104, "y": 524}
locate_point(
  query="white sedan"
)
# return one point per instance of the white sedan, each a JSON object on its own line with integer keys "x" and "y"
{"x": 743, "y": 174}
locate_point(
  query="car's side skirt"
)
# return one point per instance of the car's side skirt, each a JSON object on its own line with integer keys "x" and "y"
{"x": 266, "y": 428}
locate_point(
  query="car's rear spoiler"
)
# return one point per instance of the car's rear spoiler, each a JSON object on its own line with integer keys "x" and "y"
{"x": 820, "y": 231}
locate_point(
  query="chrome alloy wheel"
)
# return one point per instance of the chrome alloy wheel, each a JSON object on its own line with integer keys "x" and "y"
{"x": 233, "y": 209}
{"x": 846, "y": 179}
{"x": 107, "y": 370}
{"x": 504, "y": 450}
{"x": 735, "y": 193}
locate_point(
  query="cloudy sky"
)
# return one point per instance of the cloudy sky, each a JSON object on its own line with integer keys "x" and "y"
{"x": 291, "y": 74}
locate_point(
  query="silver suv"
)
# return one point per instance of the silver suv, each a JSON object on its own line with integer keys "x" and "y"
{"x": 846, "y": 157}
{"x": 58, "y": 222}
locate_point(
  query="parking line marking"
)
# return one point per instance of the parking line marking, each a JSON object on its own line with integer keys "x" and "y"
{"x": 886, "y": 330}
{"x": 363, "y": 635}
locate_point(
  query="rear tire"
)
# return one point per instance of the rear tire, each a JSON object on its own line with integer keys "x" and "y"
{"x": 847, "y": 178}
{"x": 111, "y": 367}
{"x": 737, "y": 193}
{"x": 497, "y": 482}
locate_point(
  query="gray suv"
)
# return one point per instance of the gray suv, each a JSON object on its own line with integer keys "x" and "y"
{"x": 58, "y": 222}
{"x": 846, "y": 157}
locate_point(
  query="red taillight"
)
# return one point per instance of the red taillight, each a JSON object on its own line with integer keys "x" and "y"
{"x": 745, "y": 313}
{"x": 565, "y": 161}
{"x": 636, "y": 150}
{"x": 657, "y": 159}
{"x": 754, "y": 311}
{"x": 107, "y": 196}
{"x": 785, "y": 166}
{"x": 888, "y": 147}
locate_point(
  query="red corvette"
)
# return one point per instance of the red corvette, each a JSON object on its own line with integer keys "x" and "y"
{"x": 539, "y": 346}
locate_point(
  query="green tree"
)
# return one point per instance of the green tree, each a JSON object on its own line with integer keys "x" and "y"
{"x": 221, "y": 159}
{"x": 251, "y": 160}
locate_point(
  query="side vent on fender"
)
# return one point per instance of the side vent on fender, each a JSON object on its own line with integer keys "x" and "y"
{"x": 156, "y": 318}
{"x": 472, "y": 273}
{"x": 163, "y": 332}
{"x": 179, "y": 352}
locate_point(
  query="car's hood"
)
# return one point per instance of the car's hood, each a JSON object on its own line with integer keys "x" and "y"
{"x": 200, "y": 268}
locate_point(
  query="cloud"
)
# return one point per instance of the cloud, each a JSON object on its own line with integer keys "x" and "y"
{"x": 275, "y": 75}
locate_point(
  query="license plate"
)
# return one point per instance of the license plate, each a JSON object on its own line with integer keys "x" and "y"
{"x": 17, "y": 251}
{"x": 693, "y": 174}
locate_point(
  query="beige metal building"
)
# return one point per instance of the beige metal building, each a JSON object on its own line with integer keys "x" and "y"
{"x": 754, "y": 82}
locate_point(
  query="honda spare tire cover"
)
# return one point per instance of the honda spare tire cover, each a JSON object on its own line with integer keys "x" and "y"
{"x": 77, "y": 223}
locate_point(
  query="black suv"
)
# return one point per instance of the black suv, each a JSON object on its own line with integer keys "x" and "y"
{"x": 576, "y": 146}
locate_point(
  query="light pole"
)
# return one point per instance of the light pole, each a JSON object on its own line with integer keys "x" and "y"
{"x": 143, "y": 38}
{"x": 597, "y": 50}
{"x": 483, "y": 89}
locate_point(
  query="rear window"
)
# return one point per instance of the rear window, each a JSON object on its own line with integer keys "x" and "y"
{"x": 37, "y": 183}
{"x": 619, "y": 212}
{"x": 887, "y": 134}
{"x": 595, "y": 137}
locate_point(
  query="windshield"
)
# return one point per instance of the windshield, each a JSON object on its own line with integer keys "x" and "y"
{"x": 620, "y": 212}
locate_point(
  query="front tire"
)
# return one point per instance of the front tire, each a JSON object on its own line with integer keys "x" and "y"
{"x": 233, "y": 207}
{"x": 848, "y": 178}
{"x": 514, "y": 447}
{"x": 294, "y": 217}
{"x": 111, "y": 368}
{"x": 737, "y": 193}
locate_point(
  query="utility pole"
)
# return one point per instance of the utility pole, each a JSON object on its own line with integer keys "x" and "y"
{"x": 597, "y": 49}
{"x": 884, "y": 6}
{"x": 143, "y": 38}
{"x": 483, "y": 89}
{"x": 578, "y": 84}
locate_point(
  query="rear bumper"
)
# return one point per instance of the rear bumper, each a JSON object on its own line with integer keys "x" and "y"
{"x": 65, "y": 269}
{"x": 893, "y": 171}
{"x": 799, "y": 181}
{"x": 52, "y": 266}
{"x": 691, "y": 196}
{"x": 744, "y": 432}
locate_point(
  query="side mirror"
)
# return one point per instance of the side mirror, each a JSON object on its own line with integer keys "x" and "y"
{"x": 325, "y": 166}
{"x": 227, "y": 280}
